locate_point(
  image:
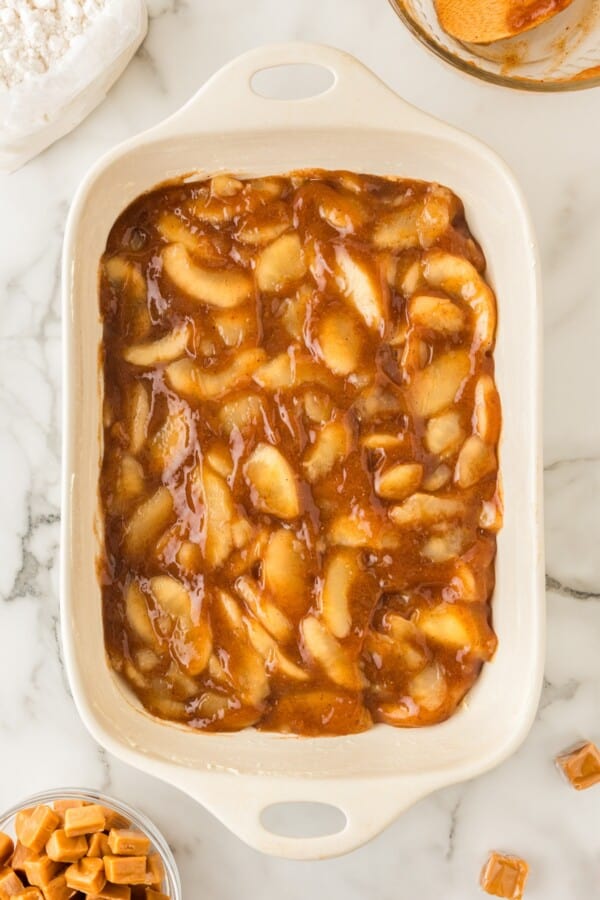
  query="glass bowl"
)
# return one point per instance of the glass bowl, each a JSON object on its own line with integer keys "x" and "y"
{"x": 562, "y": 54}
{"x": 171, "y": 884}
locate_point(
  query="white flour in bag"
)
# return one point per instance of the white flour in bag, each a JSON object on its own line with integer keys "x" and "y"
{"x": 58, "y": 58}
{"x": 36, "y": 34}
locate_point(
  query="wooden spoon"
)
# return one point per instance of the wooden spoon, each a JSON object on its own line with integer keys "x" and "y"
{"x": 484, "y": 21}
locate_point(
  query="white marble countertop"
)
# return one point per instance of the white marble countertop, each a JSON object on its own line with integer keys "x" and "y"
{"x": 436, "y": 849}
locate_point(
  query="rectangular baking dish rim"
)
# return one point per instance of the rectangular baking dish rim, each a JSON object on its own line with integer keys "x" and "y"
{"x": 318, "y": 127}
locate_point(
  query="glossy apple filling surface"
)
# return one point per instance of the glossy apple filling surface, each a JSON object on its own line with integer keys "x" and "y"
{"x": 299, "y": 484}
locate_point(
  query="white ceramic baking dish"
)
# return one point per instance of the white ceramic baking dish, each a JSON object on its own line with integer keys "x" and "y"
{"x": 358, "y": 124}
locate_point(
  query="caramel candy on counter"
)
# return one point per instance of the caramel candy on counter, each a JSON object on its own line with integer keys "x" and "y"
{"x": 87, "y": 876}
{"x": 126, "y": 842}
{"x": 581, "y": 765}
{"x": 21, "y": 856}
{"x": 39, "y": 872}
{"x": 504, "y": 876}
{"x": 98, "y": 845}
{"x": 10, "y": 884}
{"x": 37, "y": 828}
{"x": 84, "y": 820}
{"x": 125, "y": 869}
{"x": 113, "y": 892}
{"x": 7, "y": 848}
{"x": 64, "y": 849}
{"x": 29, "y": 893}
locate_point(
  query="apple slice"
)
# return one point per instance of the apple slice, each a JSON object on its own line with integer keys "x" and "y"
{"x": 284, "y": 570}
{"x": 169, "y": 445}
{"x": 458, "y": 627}
{"x": 171, "y": 596}
{"x": 241, "y": 412}
{"x": 326, "y": 650}
{"x": 129, "y": 485}
{"x": 137, "y": 407}
{"x": 280, "y": 263}
{"x": 273, "y": 482}
{"x": 475, "y": 460}
{"x": 435, "y": 387}
{"x": 488, "y": 416}
{"x": 332, "y": 445}
{"x": 341, "y": 571}
{"x": 147, "y": 523}
{"x": 457, "y": 277}
{"x": 224, "y": 185}
{"x": 445, "y": 545}
{"x": 138, "y": 615}
{"x": 426, "y": 509}
{"x": 236, "y": 326}
{"x": 444, "y": 434}
{"x": 362, "y": 287}
{"x": 438, "y": 313}
{"x": 123, "y": 274}
{"x": 273, "y": 656}
{"x": 268, "y": 614}
{"x": 340, "y": 343}
{"x": 175, "y": 231}
{"x": 399, "y": 481}
{"x": 223, "y": 288}
{"x": 219, "y": 517}
{"x": 191, "y": 380}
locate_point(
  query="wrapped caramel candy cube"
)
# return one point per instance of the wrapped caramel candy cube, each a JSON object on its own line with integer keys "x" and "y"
{"x": 504, "y": 876}
{"x": 112, "y": 892}
{"x": 39, "y": 872}
{"x": 65, "y": 849}
{"x": 156, "y": 871}
{"x": 10, "y": 883}
{"x": 125, "y": 869}
{"x": 581, "y": 765}
{"x": 126, "y": 842}
{"x": 87, "y": 875}
{"x": 84, "y": 820}
{"x": 58, "y": 889}
{"x": 6, "y": 848}
{"x": 20, "y": 820}
{"x": 36, "y": 828}
{"x": 61, "y": 806}
{"x": 114, "y": 819}
{"x": 98, "y": 845}
{"x": 20, "y": 857}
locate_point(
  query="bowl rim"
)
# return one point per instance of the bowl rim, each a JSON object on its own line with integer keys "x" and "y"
{"x": 515, "y": 82}
{"x": 138, "y": 818}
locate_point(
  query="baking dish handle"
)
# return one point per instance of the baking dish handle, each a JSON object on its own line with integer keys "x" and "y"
{"x": 228, "y": 100}
{"x": 368, "y": 806}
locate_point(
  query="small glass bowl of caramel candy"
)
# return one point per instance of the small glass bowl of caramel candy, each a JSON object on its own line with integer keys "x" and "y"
{"x": 74, "y": 843}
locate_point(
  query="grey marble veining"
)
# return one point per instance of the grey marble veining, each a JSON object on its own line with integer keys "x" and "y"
{"x": 436, "y": 849}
